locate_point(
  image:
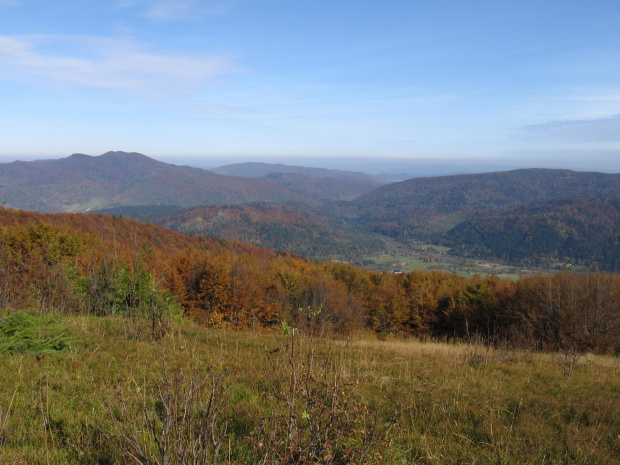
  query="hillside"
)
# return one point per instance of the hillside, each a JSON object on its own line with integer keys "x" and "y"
{"x": 128, "y": 236}
{"x": 104, "y": 265}
{"x": 584, "y": 231}
{"x": 426, "y": 208}
{"x": 314, "y": 213}
{"x": 295, "y": 228}
{"x": 321, "y": 190}
{"x": 259, "y": 170}
{"x": 492, "y": 216}
{"x": 377, "y": 402}
{"x": 82, "y": 182}
{"x": 95, "y": 345}
{"x": 313, "y": 184}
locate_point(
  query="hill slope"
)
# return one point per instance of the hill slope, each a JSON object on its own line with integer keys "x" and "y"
{"x": 483, "y": 215}
{"x": 428, "y": 207}
{"x": 296, "y": 228}
{"x": 576, "y": 230}
{"x": 258, "y": 170}
{"x": 321, "y": 190}
{"x": 316, "y": 184}
{"x": 82, "y": 182}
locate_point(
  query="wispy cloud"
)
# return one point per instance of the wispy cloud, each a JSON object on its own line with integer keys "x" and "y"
{"x": 9, "y": 3}
{"x": 165, "y": 10}
{"x": 175, "y": 10}
{"x": 598, "y": 132}
{"x": 119, "y": 64}
{"x": 215, "y": 110}
{"x": 598, "y": 104}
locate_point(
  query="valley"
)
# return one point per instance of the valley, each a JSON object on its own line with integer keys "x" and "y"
{"x": 118, "y": 335}
{"x": 309, "y": 233}
{"x": 523, "y": 219}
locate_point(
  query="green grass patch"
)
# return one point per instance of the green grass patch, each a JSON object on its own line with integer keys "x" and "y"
{"x": 425, "y": 260}
{"x": 22, "y": 332}
{"x": 433, "y": 247}
{"x": 403, "y": 263}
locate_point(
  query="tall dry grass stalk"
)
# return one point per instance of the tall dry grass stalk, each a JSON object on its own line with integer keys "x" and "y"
{"x": 183, "y": 425}
{"x": 324, "y": 420}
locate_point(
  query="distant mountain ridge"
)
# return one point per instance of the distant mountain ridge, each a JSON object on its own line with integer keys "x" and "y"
{"x": 82, "y": 182}
{"x": 428, "y": 207}
{"x": 317, "y": 185}
{"x": 523, "y": 216}
{"x": 321, "y": 190}
{"x": 258, "y": 170}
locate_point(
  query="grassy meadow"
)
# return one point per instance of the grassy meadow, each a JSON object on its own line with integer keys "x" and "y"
{"x": 101, "y": 392}
{"x": 412, "y": 261}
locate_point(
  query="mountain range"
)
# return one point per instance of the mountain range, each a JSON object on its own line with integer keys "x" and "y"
{"x": 82, "y": 182}
{"x": 314, "y": 184}
{"x": 523, "y": 216}
{"x": 429, "y": 206}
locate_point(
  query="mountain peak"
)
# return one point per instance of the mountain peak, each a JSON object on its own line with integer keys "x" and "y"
{"x": 120, "y": 155}
{"x": 79, "y": 156}
{"x": 111, "y": 155}
{"x": 83, "y": 182}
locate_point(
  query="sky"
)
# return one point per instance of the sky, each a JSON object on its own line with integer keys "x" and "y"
{"x": 504, "y": 81}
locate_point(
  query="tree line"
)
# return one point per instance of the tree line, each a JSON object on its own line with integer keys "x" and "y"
{"x": 105, "y": 265}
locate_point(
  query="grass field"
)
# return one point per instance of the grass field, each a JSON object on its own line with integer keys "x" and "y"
{"x": 230, "y": 397}
{"x": 433, "y": 261}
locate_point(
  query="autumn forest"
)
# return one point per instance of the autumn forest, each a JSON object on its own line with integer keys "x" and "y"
{"x": 105, "y": 265}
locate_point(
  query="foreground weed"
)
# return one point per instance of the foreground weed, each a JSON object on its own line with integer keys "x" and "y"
{"x": 567, "y": 359}
{"x": 323, "y": 420}
{"x": 4, "y": 416}
{"x": 182, "y": 426}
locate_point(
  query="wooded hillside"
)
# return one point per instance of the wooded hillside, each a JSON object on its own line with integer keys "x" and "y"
{"x": 82, "y": 182}
{"x": 104, "y": 265}
{"x": 428, "y": 207}
{"x": 322, "y": 214}
{"x": 583, "y": 231}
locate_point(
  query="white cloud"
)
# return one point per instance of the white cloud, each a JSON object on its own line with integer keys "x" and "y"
{"x": 103, "y": 63}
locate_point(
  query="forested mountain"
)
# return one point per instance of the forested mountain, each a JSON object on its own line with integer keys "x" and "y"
{"x": 313, "y": 184}
{"x": 523, "y": 217}
{"x": 585, "y": 231}
{"x": 321, "y": 190}
{"x": 297, "y": 228}
{"x": 259, "y": 170}
{"x": 426, "y": 208}
{"x": 82, "y": 182}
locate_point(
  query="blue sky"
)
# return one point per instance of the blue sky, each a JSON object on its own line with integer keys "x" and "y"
{"x": 497, "y": 80}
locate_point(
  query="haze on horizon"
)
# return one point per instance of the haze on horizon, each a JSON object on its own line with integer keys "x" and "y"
{"x": 498, "y": 83}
